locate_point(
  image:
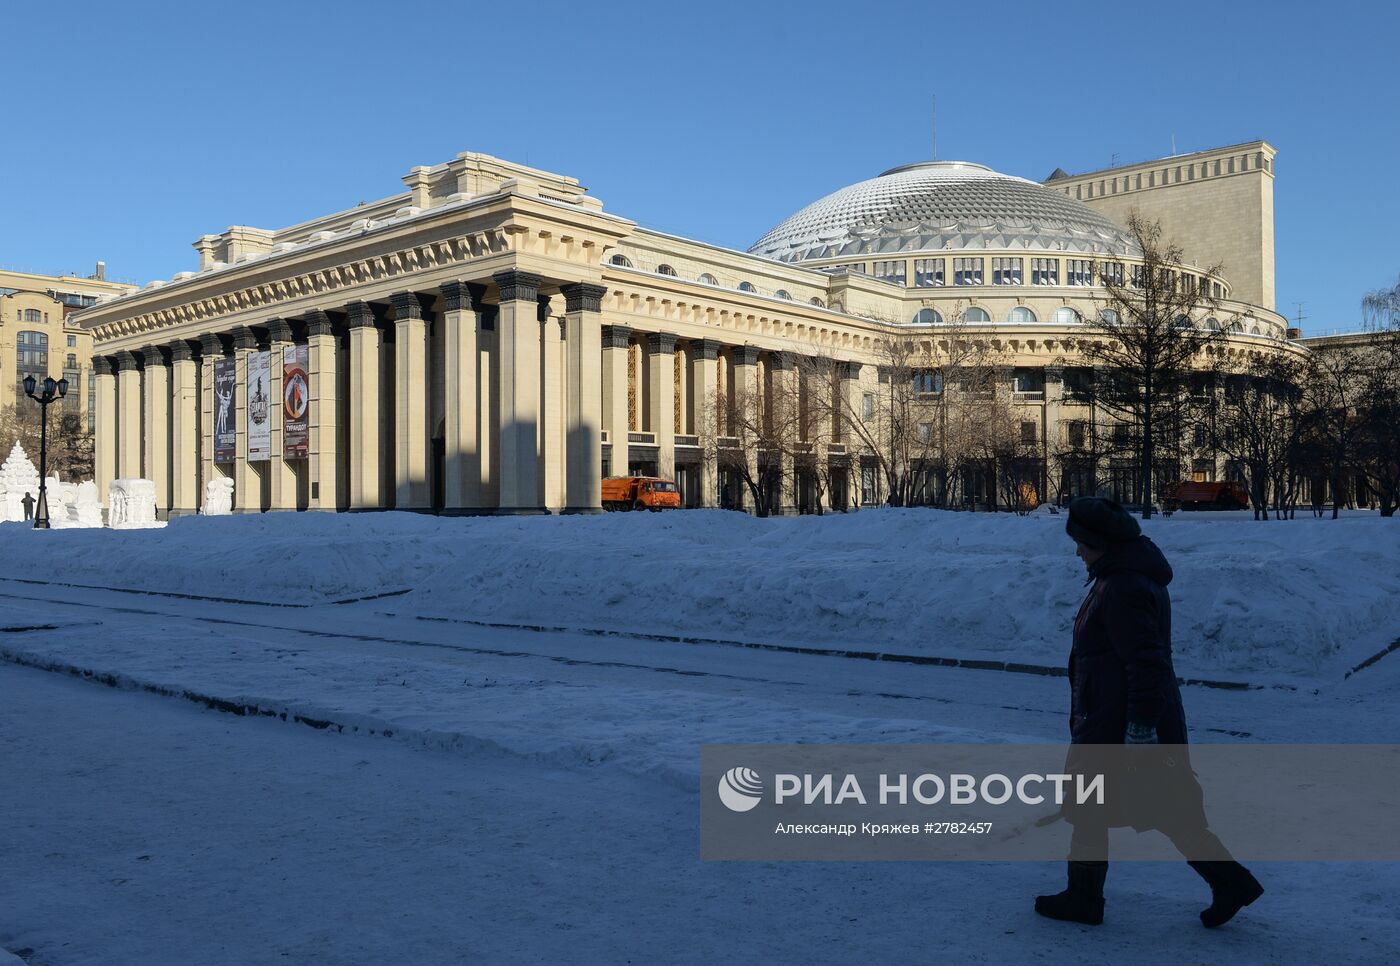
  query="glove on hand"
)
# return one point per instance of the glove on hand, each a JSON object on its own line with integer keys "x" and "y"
{"x": 1140, "y": 734}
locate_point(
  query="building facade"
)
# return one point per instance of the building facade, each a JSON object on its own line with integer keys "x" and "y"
{"x": 39, "y": 336}
{"x": 492, "y": 340}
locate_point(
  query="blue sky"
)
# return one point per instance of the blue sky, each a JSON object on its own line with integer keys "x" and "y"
{"x": 133, "y": 128}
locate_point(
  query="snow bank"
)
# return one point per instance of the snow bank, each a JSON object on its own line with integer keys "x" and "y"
{"x": 1257, "y": 601}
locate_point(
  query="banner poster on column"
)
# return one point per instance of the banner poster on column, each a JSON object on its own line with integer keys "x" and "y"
{"x": 225, "y": 388}
{"x": 296, "y": 403}
{"x": 259, "y": 410}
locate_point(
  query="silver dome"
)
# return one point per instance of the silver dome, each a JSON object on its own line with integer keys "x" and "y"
{"x": 938, "y": 206}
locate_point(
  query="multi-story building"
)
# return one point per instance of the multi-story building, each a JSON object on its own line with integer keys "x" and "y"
{"x": 39, "y": 336}
{"x": 493, "y": 340}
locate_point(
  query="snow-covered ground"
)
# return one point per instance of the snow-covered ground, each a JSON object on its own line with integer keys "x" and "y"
{"x": 498, "y": 794}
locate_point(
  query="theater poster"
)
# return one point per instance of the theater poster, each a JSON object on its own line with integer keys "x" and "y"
{"x": 296, "y": 403}
{"x": 225, "y": 388}
{"x": 259, "y": 408}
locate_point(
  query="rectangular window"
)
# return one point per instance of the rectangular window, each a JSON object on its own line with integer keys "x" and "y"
{"x": 1204, "y": 286}
{"x": 1079, "y": 271}
{"x": 1078, "y": 431}
{"x": 1079, "y": 383}
{"x": 1006, "y": 271}
{"x": 1137, "y": 276}
{"x": 1028, "y": 433}
{"x": 1120, "y": 432}
{"x": 928, "y": 272}
{"x": 890, "y": 271}
{"x": 867, "y": 486}
{"x": 1198, "y": 436}
{"x": 1028, "y": 380}
{"x": 928, "y": 382}
{"x": 1045, "y": 271}
{"x": 1111, "y": 273}
{"x": 72, "y": 342}
{"x": 926, "y": 433}
{"x": 867, "y": 406}
{"x": 967, "y": 271}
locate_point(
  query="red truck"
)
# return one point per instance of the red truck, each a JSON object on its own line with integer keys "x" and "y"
{"x": 640, "y": 493}
{"x": 1187, "y": 495}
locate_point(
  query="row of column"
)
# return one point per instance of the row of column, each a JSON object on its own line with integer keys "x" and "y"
{"x": 502, "y": 391}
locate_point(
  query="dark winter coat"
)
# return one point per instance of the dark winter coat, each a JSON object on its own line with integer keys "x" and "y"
{"x": 1120, "y": 666}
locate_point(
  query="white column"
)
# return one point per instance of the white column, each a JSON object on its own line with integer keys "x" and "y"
{"x": 552, "y": 378}
{"x": 105, "y": 432}
{"x": 704, "y": 388}
{"x": 155, "y": 455}
{"x": 783, "y": 387}
{"x": 211, "y": 350}
{"x": 661, "y": 392}
{"x": 322, "y": 443}
{"x": 184, "y": 431}
{"x": 128, "y": 417}
{"x": 364, "y": 407}
{"x": 518, "y": 334}
{"x": 615, "y": 339}
{"x": 746, "y": 400}
{"x": 583, "y": 338}
{"x": 412, "y": 490}
{"x": 461, "y": 446}
{"x": 247, "y": 490}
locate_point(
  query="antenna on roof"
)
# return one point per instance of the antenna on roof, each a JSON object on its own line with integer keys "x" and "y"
{"x": 1299, "y": 317}
{"x": 935, "y": 127}
{"x": 1173, "y": 144}
{"x": 1113, "y": 160}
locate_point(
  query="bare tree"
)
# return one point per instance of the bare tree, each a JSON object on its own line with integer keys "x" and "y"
{"x": 754, "y": 435}
{"x": 1333, "y": 394}
{"x": 1150, "y": 337}
{"x": 1257, "y": 424}
{"x": 70, "y": 443}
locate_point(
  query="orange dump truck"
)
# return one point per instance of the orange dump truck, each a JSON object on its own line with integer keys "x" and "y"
{"x": 1187, "y": 495}
{"x": 640, "y": 493}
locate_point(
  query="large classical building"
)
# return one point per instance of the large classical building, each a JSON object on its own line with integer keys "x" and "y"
{"x": 39, "y": 337}
{"x": 493, "y": 340}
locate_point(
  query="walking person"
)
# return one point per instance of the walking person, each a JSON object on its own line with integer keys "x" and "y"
{"x": 1123, "y": 690}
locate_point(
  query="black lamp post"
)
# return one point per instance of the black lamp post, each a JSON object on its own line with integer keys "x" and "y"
{"x": 52, "y": 390}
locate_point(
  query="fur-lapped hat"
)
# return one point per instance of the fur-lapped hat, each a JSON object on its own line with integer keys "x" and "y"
{"x": 1100, "y": 523}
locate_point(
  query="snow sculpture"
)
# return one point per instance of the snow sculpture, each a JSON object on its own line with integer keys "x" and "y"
{"x": 87, "y": 508}
{"x": 17, "y": 477}
{"x": 218, "y": 497}
{"x": 62, "y": 497}
{"x": 131, "y": 505}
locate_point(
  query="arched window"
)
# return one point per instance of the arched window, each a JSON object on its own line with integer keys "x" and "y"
{"x": 621, "y": 261}
{"x": 1182, "y": 322}
{"x": 817, "y": 302}
{"x": 747, "y": 287}
{"x": 1213, "y": 324}
{"x": 707, "y": 279}
{"x": 1254, "y": 330}
{"x": 1067, "y": 316}
{"x": 72, "y": 360}
{"x": 975, "y": 314}
{"x": 1235, "y": 327}
{"x": 33, "y": 315}
{"x": 665, "y": 270}
{"x": 927, "y": 317}
{"x": 782, "y": 294}
{"x": 1020, "y": 314}
{"x": 1109, "y": 316}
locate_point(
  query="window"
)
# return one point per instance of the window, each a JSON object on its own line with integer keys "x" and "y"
{"x": 747, "y": 287}
{"x": 707, "y": 279}
{"x": 621, "y": 261}
{"x": 1204, "y": 286}
{"x": 890, "y": 271}
{"x": 1006, "y": 271}
{"x": 1137, "y": 276}
{"x": 1198, "y": 436}
{"x": 817, "y": 302}
{"x": 33, "y": 315}
{"x": 1020, "y": 314}
{"x": 867, "y": 486}
{"x": 1120, "y": 432}
{"x": 928, "y": 382}
{"x": 782, "y": 294}
{"x": 1182, "y": 322}
{"x": 974, "y": 314}
{"x": 1027, "y": 379}
{"x": 1045, "y": 271}
{"x": 31, "y": 356}
{"x": 928, "y": 272}
{"x": 1078, "y": 432}
{"x": 967, "y": 271}
{"x": 665, "y": 270}
{"x": 1079, "y": 271}
{"x": 1067, "y": 316}
{"x": 867, "y": 406}
{"x": 1109, "y": 316}
{"x": 1213, "y": 324}
{"x": 926, "y": 433}
{"x": 72, "y": 342}
{"x": 1111, "y": 273}
{"x": 1028, "y": 433}
{"x": 1079, "y": 383}
{"x": 927, "y": 317}
{"x": 72, "y": 360}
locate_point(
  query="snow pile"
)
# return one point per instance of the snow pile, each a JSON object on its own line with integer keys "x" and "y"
{"x": 1253, "y": 601}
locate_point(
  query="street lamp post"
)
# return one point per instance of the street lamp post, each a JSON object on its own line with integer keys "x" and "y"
{"x": 52, "y": 390}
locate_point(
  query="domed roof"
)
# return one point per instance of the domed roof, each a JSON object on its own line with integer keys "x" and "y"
{"x": 941, "y": 205}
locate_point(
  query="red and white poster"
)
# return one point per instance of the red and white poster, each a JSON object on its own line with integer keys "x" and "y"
{"x": 296, "y": 403}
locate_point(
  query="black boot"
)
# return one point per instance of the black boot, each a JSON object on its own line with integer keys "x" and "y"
{"x": 1231, "y": 888}
{"x": 1083, "y": 900}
